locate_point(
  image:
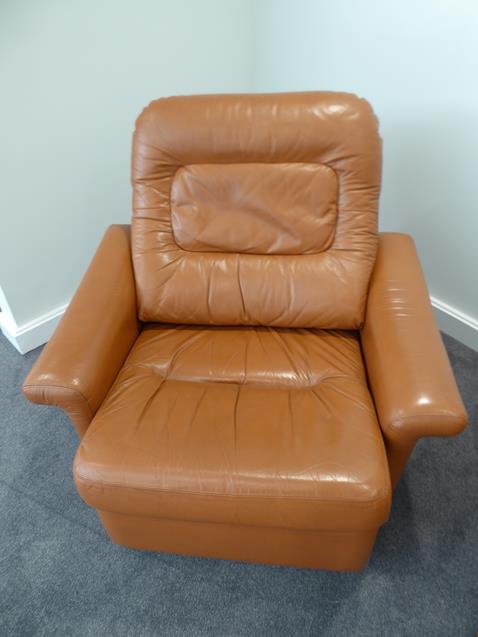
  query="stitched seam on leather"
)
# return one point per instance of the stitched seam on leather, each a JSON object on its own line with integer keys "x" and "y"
{"x": 248, "y": 525}
{"x": 173, "y": 177}
{"x": 73, "y": 390}
{"x": 362, "y": 504}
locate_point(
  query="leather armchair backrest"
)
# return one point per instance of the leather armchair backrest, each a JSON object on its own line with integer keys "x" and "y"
{"x": 255, "y": 209}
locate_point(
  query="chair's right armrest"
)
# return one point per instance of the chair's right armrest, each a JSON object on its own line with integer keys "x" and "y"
{"x": 410, "y": 376}
{"x": 80, "y": 362}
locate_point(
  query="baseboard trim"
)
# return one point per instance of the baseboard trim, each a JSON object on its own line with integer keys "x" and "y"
{"x": 32, "y": 334}
{"x": 455, "y": 323}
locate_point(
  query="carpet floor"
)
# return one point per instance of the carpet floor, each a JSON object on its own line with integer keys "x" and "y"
{"x": 60, "y": 575}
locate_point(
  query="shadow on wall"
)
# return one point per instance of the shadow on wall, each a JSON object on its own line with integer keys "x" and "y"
{"x": 428, "y": 190}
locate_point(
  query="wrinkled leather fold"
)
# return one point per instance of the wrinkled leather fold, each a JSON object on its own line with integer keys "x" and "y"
{"x": 81, "y": 360}
{"x": 410, "y": 376}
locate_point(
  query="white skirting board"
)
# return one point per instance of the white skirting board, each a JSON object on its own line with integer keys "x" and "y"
{"x": 457, "y": 324}
{"x": 30, "y": 335}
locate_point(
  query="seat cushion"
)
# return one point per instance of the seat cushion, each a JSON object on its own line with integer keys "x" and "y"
{"x": 244, "y": 425}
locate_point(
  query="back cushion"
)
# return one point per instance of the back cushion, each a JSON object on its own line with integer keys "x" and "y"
{"x": 255, "y": 209}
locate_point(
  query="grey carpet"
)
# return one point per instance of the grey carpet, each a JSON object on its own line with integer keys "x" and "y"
{"x": 59, "y": 574}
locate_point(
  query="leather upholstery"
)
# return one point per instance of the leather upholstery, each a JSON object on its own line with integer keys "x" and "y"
{"x": 279, "y": 209}
{"x": 249, "y": 425}
{"x": 199, "y": 158}
{"x": 410, "y": 376}
{"x": 335, "y": 550}
{"x": 268, "y": 438}
{"x": 78, "y": 365}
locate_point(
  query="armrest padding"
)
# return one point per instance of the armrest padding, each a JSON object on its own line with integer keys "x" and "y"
{"x": 409, "y": 373}
{"x": 80, "y": 362}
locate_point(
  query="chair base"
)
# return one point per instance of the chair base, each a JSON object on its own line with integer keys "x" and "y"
{"x": 331, "y": 550}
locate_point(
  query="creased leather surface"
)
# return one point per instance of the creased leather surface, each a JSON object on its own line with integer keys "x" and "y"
{"x": 89, "y": 346}
{"x": 413, "y": 386}
{"x": 239, "y": 425}
{"x": 254, "y": 208}
{"x": 325, "y": 290}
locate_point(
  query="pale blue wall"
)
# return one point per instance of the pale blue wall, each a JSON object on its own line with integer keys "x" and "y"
{"x": 73, "y": 77}
{"x": 417, "y": 63}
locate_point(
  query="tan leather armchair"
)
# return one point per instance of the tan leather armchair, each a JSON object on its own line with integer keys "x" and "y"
{"x": 249, "y": 371}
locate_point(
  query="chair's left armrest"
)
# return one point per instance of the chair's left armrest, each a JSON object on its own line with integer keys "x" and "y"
{"x": 409, "y": 373}
{"x": 80, "y": 362}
